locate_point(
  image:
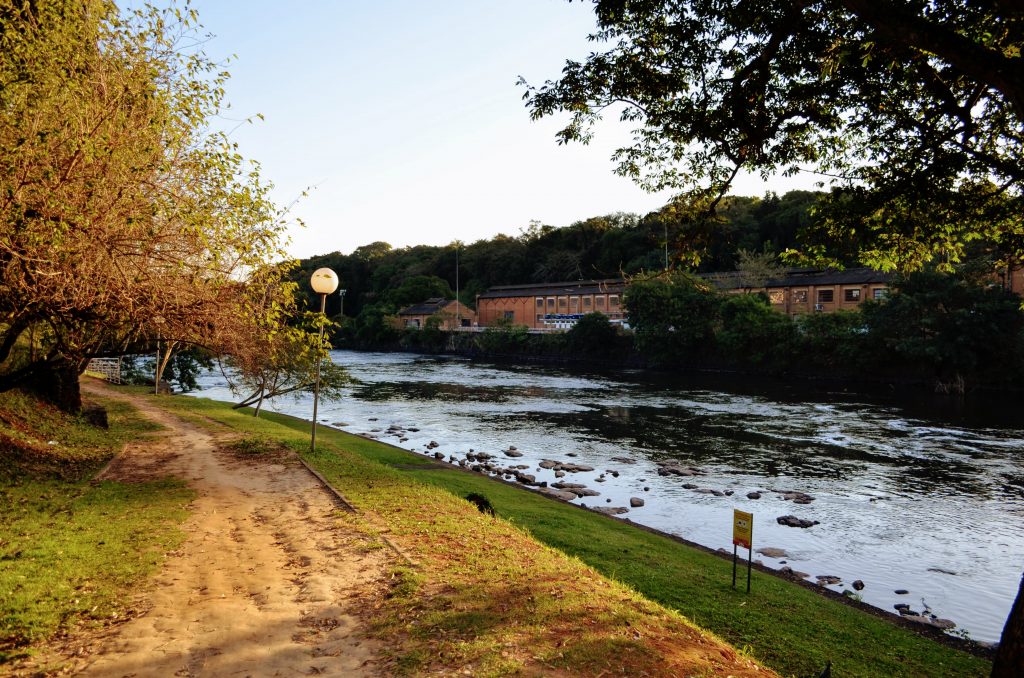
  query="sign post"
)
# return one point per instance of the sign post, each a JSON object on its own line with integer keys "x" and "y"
{"x": 742, "y": 535}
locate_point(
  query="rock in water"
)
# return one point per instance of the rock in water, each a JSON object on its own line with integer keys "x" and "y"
{"x": 858, "y": 585}
{"x": 793, "y": 521}
{"x": 636, "y": 502}
{"x": 772, "y": 552}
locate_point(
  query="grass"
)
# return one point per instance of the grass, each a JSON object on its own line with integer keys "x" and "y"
{"x": 72, "y": 551}
{"x": 486, "y": 591}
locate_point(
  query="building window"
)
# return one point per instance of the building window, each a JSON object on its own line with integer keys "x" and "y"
{"x": 551, "y": 303}
{"x": 562, "y": 302}
{"x": 825, "y": 296}
{"x": 465, "y": 322}
{"x": 777, "y": 296}
{"x": 880, "y": 293}
{"x": 851, "y": 295}
{"x": 540, "y": 303}
{"x": 613, "y": 300}
{"x": 540, "y": 319}
{"x": 510, "y": 315}
{"x": 800, "y": 296}
{"x": 574, "y": 303}
{"x": 599, "y": 302}
{"x": 586, "y": 302}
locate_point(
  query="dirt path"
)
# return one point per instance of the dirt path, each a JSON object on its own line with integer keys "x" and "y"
{"x": 266, "y": 583}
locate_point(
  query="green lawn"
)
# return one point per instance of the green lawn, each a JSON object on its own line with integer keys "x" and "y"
{"x": 72, "y": 552}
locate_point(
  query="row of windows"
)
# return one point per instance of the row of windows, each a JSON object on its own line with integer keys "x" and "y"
{"x": 824, "y": 296}
{"x": 577, "y": 302}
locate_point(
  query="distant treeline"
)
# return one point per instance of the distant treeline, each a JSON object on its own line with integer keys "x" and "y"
{"x": 380, "y": 279}
{"x": 949, "y": 331}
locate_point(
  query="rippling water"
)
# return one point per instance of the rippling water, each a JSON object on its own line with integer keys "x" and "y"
{"x": 908, "y": 495}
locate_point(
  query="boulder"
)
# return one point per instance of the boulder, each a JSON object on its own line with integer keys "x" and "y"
{"x": 772, "y": 552}
{"x": 677, "y": 470}
{"x": 513, "y": 453}
{"x": 689, "y": 486}
{"x": 787, "y": 570}
{"x": 901, "y": 592}
{"x": 858, "y": 585}
{"x": 624, "y": 460}
{"x": 636, "y": 502}
{"x": 930, "y": 620}
{"x": 753, "y": 495}
{"x": 796, "y": 497}
{"x": 558, "y": 494}
{"x": 828, "y": 580}
{"x": 793, "y": 521}
{"x": 612, "y": 510}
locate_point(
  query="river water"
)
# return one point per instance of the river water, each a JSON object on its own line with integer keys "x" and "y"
{"x": 910, "y": 494}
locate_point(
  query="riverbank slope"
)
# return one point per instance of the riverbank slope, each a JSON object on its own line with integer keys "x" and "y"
{"x": 414, "y": 501}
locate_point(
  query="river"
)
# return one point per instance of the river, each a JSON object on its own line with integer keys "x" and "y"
{"x": 910, "y": 494}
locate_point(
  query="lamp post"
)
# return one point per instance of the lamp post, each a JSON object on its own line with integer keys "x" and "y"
{"x": 341, "y": 293}
{"x": 324, "y": 281}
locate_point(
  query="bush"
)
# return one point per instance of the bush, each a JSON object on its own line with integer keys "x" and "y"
{"x": 753, "y": 334}
{"x": 593, "y": 335}
{"x": 673, "y": 317}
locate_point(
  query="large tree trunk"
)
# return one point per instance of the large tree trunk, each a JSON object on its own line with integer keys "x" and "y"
{"x": 1009, "y": 661}
{"x": 58, "y": 383}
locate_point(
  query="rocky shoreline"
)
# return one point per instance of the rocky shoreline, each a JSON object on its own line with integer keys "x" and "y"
{"x": 498, "y": 466}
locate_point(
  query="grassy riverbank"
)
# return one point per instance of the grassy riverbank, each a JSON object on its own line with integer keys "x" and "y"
{"x": 72, "y": 551}
{"x": 454, "y": 614}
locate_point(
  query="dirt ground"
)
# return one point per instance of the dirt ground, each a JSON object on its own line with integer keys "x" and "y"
{"x": 266, "y": 583}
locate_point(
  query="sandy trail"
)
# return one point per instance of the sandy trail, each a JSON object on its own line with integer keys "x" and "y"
{"x": 266, "y": 583}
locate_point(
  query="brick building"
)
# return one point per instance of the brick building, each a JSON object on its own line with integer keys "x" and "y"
{"x": 807, "y": 290}
{"x": 550, "y": 306}
{"x": 452, "y": 313}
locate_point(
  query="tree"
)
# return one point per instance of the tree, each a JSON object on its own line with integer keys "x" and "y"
{"x": 954, "y": 329}
{"x": 757, "y": 268}
{"x": 593, "y": 335}
{"x": 283, "y": 364}
{"x": 673, "y": 316}
{"x": 915, "y": 106}
{"x": 123, "y": 217}
{"x": 752, "y": 333}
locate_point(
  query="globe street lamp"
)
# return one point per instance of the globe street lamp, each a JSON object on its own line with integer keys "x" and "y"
{"x": 324, "y": 281}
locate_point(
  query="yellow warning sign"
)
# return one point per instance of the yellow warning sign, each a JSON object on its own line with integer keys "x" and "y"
{"x": 742, "y": 528}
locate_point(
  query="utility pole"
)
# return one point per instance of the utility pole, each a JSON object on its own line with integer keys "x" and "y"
{"x": 666, "y": 244}
{"x": 458, "y": 308}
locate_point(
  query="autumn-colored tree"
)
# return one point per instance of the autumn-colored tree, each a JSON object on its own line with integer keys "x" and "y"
{"x": 123, "y": 217}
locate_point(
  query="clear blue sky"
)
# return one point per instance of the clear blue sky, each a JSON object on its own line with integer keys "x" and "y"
{"x": 405, "y": 119}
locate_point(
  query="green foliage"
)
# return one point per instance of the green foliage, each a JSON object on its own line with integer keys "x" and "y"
{"x": 950, "y": 328}
{"x": 503, "y": 337}
{"x": 914, "y": 110}
{"x": 287, "y": 362}
{"x": 595, "y": 248}
{"x": 125, "y": 218}
{"x": 673, "y": 317}
{"x": 417, "y": 289}
{"x": 752, "y": 333}
{"x": 594, "y": 336}
{"x": 833, "y": 340}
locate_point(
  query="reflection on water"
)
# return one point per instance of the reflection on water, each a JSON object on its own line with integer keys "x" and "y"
{"x": 918, "y": 494}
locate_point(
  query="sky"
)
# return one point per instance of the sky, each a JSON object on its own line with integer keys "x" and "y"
{"x": 403, "y": 121}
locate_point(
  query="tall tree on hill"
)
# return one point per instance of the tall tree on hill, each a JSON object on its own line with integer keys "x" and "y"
{"x": 915, "y": 107}
{"x": 123, "y": 219}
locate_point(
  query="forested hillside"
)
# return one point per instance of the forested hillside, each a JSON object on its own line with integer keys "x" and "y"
{"x": 379, "y": 278}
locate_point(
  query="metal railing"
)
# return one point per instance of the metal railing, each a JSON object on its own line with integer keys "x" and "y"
{"x": 107, "y": 368}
